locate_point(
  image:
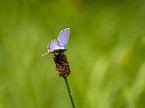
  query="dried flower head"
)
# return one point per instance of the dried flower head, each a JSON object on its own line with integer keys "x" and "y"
{"x": 62, "y": 65}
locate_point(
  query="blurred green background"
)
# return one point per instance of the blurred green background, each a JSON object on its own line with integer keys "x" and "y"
{"x": 106, "y": 53}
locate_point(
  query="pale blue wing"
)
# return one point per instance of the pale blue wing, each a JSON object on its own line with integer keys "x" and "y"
{"x": 63, "y": 37}
{"x": 53, "y": 45}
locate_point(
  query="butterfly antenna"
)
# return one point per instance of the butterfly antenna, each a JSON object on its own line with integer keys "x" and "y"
{"x": 67, "y": 52}
{"x": 44, "y": 54}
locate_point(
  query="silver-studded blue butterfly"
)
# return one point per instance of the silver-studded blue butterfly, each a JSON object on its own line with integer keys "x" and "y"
{"x": 59, "y": 46}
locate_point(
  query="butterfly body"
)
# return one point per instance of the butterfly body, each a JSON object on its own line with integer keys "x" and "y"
{"x": 59, "y": 46}
{"x": 59, "y": 51}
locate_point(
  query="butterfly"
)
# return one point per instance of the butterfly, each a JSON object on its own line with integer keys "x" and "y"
{"x": 59, "y": 46}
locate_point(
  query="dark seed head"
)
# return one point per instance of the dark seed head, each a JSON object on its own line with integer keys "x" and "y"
{"x": 62, "y": 65}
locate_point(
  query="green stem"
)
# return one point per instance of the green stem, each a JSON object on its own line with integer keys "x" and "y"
{"x": 69, "y": 92}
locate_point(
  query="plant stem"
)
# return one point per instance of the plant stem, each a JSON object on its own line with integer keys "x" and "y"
{"x": 69, "y": 92}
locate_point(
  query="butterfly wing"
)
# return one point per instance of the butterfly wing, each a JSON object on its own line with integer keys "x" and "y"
{"x": 53, "y": 45}
{"x": 63, "y": 37}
